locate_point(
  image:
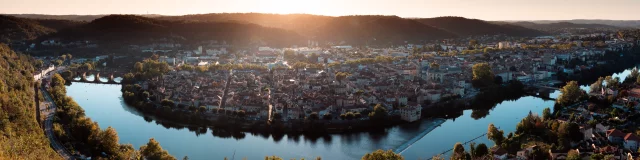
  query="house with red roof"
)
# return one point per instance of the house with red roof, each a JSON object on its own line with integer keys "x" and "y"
{"x": 631, "y": 141}
{"x": 615, "y": 136}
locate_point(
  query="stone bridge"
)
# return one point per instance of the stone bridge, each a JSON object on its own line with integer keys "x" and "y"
{"x": 109, "y": 73}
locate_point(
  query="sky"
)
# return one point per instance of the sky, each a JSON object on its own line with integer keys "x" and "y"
{"x": 479, "y": 9}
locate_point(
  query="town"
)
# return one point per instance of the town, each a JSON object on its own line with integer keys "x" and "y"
{"x": 342, "y": 85}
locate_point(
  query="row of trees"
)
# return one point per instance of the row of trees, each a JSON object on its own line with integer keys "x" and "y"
{"x": 87, "y": 137}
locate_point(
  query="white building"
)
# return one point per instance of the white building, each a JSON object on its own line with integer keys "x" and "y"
{"x": 411, "y": 112}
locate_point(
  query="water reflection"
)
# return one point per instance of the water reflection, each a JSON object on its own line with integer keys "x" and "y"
{"x": 101, "y": 104}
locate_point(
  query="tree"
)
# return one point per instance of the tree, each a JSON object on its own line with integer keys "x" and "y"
{"x": 596, "y": 86}
{"x": 379, "y": 113}
{"x": 272, "y": 158}
{"x": 127, "y": 151}
{"x": 632, "y": 77}
{"x": 434, "y": 65}
{"x": 340, "y": 76}
{"x": 57, "y": 62}
{"x": 638, "y": 80}
{"x": 166, "y": 102}
{"x": 481, "y": 150}
{"x": 472, "y": 149}
{"x": 458, "y": 151}
{"x": 570, "y": 93}
{"x": 611, "y": 82}
{"x": 497, "y": 136}
{"x": 39, "y": 63}
{"x": 473, "y": 42}
{"x": 596, "y": 156}
{"x": 382, "y": 155}
{"x": 314, "y": 116}
{"x": 573, "y": 155}
{"x": 350, "y": 115}
{"x": 241, "y": 113}
{"x": 138, "y": 67}
{"x": 109, "y": 141}
{"x": 202, "y": 69}
{"x": 546, "y": 114}
{"x": 437, "y": 157}
{"x": 326, "y": 116}
{"x": 570, "y": 131}
{"x": 153, "y": 151}
{"x": 609, "y": 157}
{"x": 202, "y": 109}
{"x": 482, "y": 75}
{"x": 57, "y": 80}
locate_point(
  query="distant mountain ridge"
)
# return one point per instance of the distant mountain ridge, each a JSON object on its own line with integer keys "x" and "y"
{"x": 560, "y": 26}
{"x": 616, "y": 23}
{"x": 20, "y": 29}
{"x": 474, "y": 27}
{"x": 130, "y": 29}
{"x": 271, "y": 29}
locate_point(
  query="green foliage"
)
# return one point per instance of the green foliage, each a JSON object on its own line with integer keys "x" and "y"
{"x": 20, "y": 135}
{"x": 272, "y": 158}
{"x": 573, "y": 155}
{"x": 481, "y": 150}
{"x": 153, "y": 151}
{"x": 20, "y": 29}
{"x": 482, "y": 75}
{"x": 382, "y": 155}
{"x": 340, "y": 76}
{"x": 611, "y": 82}
{"x": 633, "y": 76}
{"x": 379, "y": 113}
{"x": 150, "y": 68}
{"x": 314, "y": 116}
{"x": 497, "y": 136}
{"x": 570, "y": 131}
{"x": 546, "y": 114}
{"x": 570, "y": 93}
{"x": 609, "y": 157}
{"x": 596, "y": 156}
{"x": 458, "y": 151}
{"x": 596, "y": 86}
{"x": 378, "y": 59}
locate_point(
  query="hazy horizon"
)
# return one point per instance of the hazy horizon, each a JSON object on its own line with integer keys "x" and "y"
{"x": 505, "y": 10}
{"x": 306, "y": 14}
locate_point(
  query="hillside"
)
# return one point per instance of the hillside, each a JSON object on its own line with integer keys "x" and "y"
{"x": 14, "y": 29}
{"x": 130, "y": 29}
{"x": 473, "y": 27}
{"x": 377, "y": 30}
{"x": 20, "y": 135}
{"x": 616, "y": 23}
{"x": 56, "y": 24}
{"x": 303, "y": 24}
{"x": 559, "y": 26}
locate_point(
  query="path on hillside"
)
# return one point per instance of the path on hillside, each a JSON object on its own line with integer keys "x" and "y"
{"x": 49, "y": 114}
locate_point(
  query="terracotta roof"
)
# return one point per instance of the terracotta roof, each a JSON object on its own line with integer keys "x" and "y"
{"x": 615, "y": 133}
{"x": 498, "y": 151}
{"x": 631, "y": 137}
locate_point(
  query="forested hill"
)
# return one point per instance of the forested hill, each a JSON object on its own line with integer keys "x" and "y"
{"x": 136, "y": 29}
{"x": 473, "y": 27}
{"x": 564, "y": 26}
{"x": 20, "y": 29}
{"x": 378, "y": 30}
{"x": 20, "y": 135}
{"x": 365, "y": 29}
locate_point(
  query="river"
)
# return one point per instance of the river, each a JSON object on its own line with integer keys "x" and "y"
{"x": 103, "y": 103}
